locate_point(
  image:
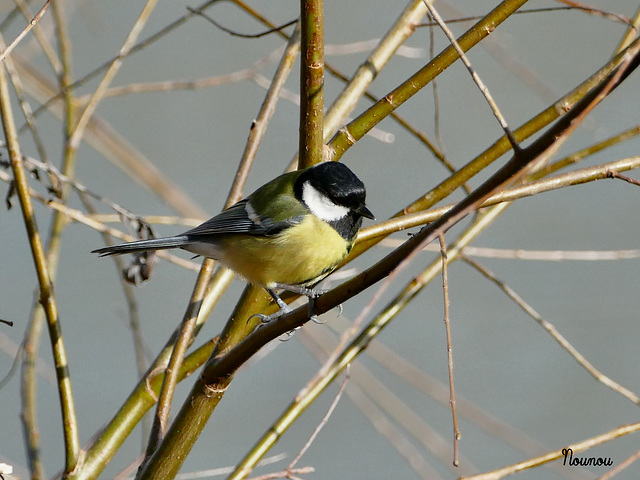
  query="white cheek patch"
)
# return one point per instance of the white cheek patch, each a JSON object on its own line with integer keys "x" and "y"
{"x": 321, "y": 206}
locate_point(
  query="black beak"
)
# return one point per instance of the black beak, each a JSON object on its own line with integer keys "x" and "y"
{"x": 363, "y": 211}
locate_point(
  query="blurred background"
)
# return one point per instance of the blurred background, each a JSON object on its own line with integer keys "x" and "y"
{"x": 505, "y": 364}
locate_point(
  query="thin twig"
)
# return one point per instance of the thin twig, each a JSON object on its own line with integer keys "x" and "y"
{"x": 608, "y": 15}
{"x": 393, "y": 419}
{"x": 614, "y": 174}
{"x": 535, "y": 255}
{"x": 24, "y": 104}
{"x": 238, "y": 34}
{"x": 137, "y": 47}
{"x": 324, "y": 420}
{"x": 447, "y": 325}
{"x": 220, "y": 471}
{"x": 54, "y": 243}
{"x": 85, "y": 116}
{"x": 26, "y": 30}
{"x": 631, "y": 33}
{"x": 288, "y": 473}
{"x": 347, "y": 136}
{"x": 596, "y": 11}
{"x": 556, "y": 454}
{"x": 41, "y": 37}
{"x": 576, "y": 177}
{"x": 259, "y": 126}
{"x": 620, "y": 467}
{"x": 476, "y": 78}
{"x": 555, "y": 334}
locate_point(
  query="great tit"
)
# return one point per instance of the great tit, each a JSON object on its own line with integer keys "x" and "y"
{"x": 289, "y": 234}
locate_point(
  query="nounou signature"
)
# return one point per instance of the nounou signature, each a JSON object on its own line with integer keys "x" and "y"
{"x": 584, "y": 461}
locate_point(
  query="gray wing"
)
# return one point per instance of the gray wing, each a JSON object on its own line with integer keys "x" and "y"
{"x": 240, "y": 219}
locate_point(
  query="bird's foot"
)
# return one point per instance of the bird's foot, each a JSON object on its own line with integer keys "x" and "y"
{"x": 284, "y": 308}
{"x": 310, "y": 293}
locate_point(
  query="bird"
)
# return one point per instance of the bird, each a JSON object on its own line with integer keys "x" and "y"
{"x": 289, "y": 234}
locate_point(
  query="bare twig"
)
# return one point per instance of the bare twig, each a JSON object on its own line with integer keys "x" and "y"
{"x": 576, "y": 177}
{"x": 631, "y": 32}
{"x": 400, "y": 424}
{"x": 323, "y": 422}
{"x": 557, "y": 336}
{"x": 614, "y": 174}
{"x": 596, "y": 11}
{"x": 26, "y": 30}
{"x": 620, "y": 467}
{"x": 41, "y": 37}
{"x": 259, "y": 126}
{"x": 238, "y": 34}
{"x": 137, "y": 47}
{"x": 603, "y": 13}
{"x": 76, "y": 136}
{"x": 447, "y": 326}
{"x": 535, "y": 255}
{"x": 556, "y": 454}
{"x": 213, "y": 472}
{"x": 355, "y": 130}
{"x": 24, "y": 104}
{"x": 476, "y": 78}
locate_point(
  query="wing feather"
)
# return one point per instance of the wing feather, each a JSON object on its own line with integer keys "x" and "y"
{"x": 237, "y": 219}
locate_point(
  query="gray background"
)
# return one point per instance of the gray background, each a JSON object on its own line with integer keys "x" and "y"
{"x": 504, "y": 362}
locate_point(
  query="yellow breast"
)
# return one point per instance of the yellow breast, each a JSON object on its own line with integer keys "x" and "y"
{"x": 301, "y": 255}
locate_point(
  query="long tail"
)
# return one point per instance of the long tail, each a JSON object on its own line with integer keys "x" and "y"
{"x": 144, "y": 245}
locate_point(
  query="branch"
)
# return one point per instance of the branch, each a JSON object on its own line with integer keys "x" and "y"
{"x": 354, "y": 131}
{"x": 26, "y": 30}
{"x": 311, "y": 83}
{"x": 47, "y": 298}
{"x": 556, "y": 454}
{"x": 216, "y": 375}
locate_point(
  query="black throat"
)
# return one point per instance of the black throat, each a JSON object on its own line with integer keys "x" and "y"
{"x": 347, "y": 226}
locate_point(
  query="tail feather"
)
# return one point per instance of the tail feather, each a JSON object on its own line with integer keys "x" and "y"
{"x": 144, "y": 245}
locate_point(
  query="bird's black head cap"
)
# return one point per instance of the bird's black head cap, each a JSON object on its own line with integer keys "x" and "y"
{"x": 337, "y": 182}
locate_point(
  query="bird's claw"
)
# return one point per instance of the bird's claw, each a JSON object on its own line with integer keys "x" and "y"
{"x": 268, "y": 318}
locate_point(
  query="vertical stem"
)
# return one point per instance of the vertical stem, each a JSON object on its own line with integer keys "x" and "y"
{"x": 447, "y": 326}
{"x": 47, "y": 298}
{"x": 32, "y": 336}
{"x": 311, "y": 82}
